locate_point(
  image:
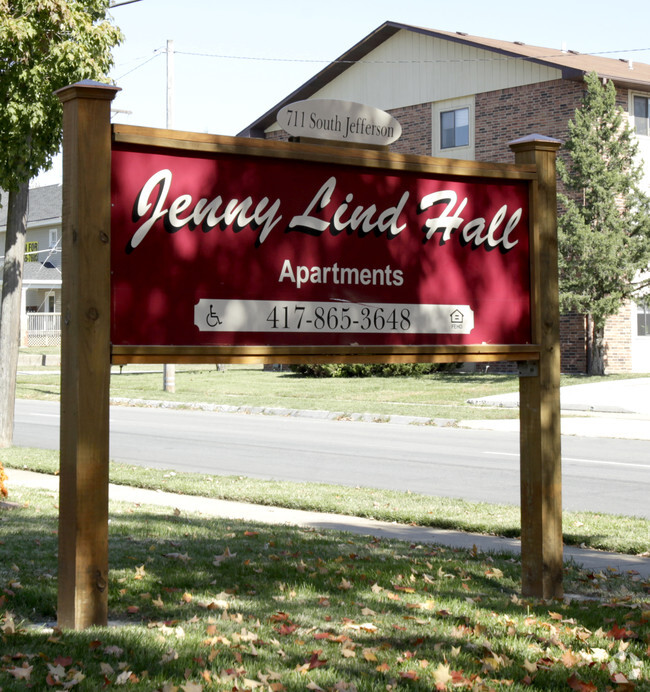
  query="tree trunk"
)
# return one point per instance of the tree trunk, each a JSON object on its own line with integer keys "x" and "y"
{"x": 596, "y": 349}
{"x": 10, "y": 308}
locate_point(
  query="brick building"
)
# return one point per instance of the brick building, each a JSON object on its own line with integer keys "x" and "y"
{"x": 467, "y": 97}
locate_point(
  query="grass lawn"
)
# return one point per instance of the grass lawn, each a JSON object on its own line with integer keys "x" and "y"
{"x": 602, "y": 531}
{"x": 441, "y": 395}
{"x": 208, "y": 604}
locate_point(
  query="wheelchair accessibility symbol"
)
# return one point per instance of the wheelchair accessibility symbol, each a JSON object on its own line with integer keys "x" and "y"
{"x": 212, "y": 315}
{"x": 212, "y": 319}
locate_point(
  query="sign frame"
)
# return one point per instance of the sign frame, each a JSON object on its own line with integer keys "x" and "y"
{"x": 370, "y": 159}
{"x": 87, "y": 353}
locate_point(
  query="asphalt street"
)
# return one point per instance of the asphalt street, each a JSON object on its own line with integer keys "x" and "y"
{"x": 602, "y": 475}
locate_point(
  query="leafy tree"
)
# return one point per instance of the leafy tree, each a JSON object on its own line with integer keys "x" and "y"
{"x": 604, "y": 230}
{"x": 45, "y": 45}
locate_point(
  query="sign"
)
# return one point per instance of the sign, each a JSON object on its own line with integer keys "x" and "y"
{"x": 343, "y": 121}
{"x": 149, "y": 243}
{"x": 223, "y": 249}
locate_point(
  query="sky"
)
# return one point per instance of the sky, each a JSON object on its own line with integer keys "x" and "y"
{"x": 233, "y": 60}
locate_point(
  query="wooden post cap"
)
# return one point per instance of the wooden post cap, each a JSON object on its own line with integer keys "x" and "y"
{"x": 535, "y": 141}
{"x": 87, "y": 89}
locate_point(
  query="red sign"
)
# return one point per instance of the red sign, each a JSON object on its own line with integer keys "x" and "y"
{"x": 232, "y": 249}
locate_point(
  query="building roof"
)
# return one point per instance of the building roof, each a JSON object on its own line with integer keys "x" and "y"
{"x": 36, "y": 271}
{"x": 572, "y": 64}
{"x": 44, "y": 206}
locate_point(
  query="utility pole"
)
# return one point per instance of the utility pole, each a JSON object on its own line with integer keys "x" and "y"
{"x": 169, "y": 371}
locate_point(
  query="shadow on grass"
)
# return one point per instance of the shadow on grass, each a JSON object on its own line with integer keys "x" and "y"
{"x": 229, "y": 601}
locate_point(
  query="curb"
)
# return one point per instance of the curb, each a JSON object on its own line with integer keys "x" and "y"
{"x": 514, "y": 403}
{"x": 286, "y": 412}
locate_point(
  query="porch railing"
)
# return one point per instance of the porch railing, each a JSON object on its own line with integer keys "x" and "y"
{"x": 43, "y": 329}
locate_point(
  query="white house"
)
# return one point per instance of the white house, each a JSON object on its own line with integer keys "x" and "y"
{"x": 41, "y": 293}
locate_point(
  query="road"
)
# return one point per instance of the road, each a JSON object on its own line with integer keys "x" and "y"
{"x": 601, "y": 475}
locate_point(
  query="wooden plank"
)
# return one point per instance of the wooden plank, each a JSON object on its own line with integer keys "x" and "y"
{"x": 122, "y": 355}
{"x": 85, "y": 356}
{"x": 539, "y": 409}
{"x": 322, "y": 153}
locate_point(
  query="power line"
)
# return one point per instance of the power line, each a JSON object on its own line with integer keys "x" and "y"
{"x": 157, "y": 52}
{"x": 124, "y": 2}
{"x": 219, "y": 56}
{"x": 405, "y": 62}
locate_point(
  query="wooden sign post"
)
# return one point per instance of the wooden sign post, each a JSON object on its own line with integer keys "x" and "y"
{"x": 539, "y": 395}
{"x": 85, "y": 356}
{"x": 404, "y": 276}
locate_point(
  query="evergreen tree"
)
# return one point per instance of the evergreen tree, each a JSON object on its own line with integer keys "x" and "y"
{"x": 604, "y": 223}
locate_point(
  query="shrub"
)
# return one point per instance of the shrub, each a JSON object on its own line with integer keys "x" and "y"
{"x": 369, "y": 370}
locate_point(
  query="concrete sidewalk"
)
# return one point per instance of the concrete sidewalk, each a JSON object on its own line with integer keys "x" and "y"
{"x": 619, "y": 408}
{"x": 597, "y": 561}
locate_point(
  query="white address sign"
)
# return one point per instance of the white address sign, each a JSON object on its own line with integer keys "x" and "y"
{"x": 343, "y": 121}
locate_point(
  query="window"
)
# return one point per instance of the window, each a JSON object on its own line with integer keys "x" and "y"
{"x": 54, "y": 237}
{"x": 454, "y": 128}
{"x": 641, "y": 108}
{"x": 643, "y": 319}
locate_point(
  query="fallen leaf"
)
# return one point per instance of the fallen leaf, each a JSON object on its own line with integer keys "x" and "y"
{"x": 183, "y": 557}
{"x": 169, "y": 655}
{"x": 315, "y": 661}
{"x": 123, "y": 677}
{"x": 569, "y": 659}
{"x": 580, "y": 685}
{"x": 113, "y": 650}
{"x": 77, "y": 678}
{"x": 21, "y": 673}
{"x": 621, "y": 633}
{"x": 285, "y": 629}
{"x": 63, "y": 661}
{"x": 619, "y": 679}
{"x": 57, "y": 672}
{"x": 494, "y": 573}
{"x": 106, "y": 668}
{"x": 192, "y": 687}
{"x": 441, "y": 674}
{"x": 8, "y": 627}
{"x": 218, "y": 559}
{"x": 405, "y": 589}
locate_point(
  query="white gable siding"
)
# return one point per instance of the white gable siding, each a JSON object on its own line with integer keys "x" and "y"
{"x": 411, "y": 68}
